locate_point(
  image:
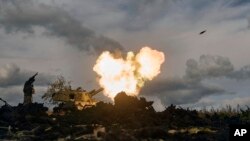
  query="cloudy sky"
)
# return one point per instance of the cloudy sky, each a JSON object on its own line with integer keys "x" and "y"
{"x": 59, "y": 37}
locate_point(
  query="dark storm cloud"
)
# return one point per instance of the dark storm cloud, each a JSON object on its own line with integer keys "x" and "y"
{"x": 179, "y": 90}
{"x": 142, "y": 13}
{"x": 189, "y": 88}
{"x": 12, "y": 95}
{"x": 241, "y": 74}
{"x": 239, "y": 2}
{"x": 12, "y": 75}
{"x": 208, "y": 66}
{"x": 25, "y": 15}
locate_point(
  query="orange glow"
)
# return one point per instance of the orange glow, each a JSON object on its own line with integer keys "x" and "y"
{"x": 128, "y": 75}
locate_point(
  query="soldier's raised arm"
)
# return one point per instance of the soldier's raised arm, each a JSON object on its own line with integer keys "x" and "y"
{"x": 32, "y": 78}
{"x": 34, "y": 75}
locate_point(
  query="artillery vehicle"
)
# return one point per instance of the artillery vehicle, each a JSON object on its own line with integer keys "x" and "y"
{"x": 78, "y": 98}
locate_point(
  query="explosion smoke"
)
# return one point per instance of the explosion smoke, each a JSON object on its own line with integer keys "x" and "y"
{"x": 117, "y": 74}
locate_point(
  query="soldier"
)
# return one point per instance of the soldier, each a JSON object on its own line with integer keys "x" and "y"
{"x": 28, "y": 90}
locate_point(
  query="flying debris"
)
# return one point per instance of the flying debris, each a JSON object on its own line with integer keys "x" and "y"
{"x": 202, "y": 32}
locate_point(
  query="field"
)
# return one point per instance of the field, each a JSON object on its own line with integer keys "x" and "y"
{"x": 128, "y": 119}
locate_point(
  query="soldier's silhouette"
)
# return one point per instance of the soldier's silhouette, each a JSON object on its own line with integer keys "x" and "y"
{"x": 28, "y": 90}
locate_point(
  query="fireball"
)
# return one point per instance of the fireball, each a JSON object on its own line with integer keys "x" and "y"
{"x": 117, "y": 74}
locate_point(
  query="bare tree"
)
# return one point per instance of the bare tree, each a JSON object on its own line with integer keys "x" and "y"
{"x": 59, "y": 85}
